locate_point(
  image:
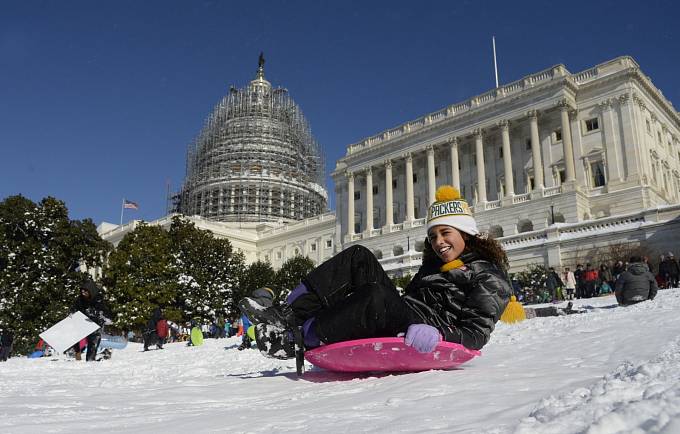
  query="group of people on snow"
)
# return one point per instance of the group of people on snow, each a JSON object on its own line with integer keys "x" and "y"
{"x": 590, "y": 281}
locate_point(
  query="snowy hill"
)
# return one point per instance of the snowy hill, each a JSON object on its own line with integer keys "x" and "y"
{"x": 609, "y": 370}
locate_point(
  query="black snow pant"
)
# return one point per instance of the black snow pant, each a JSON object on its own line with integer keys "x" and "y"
{"x": 92, "y": 345}
{"x": 351, "y": 297}
{"x": 151, "y": 338}
{"x": 4, "y": 352}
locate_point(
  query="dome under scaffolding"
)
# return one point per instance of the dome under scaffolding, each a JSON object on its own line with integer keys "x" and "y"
{"x": 255, "y": 160}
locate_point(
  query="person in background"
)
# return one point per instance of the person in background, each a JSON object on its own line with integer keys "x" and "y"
{"x": 673, "y": 270}
{"x": 579, "y": 274}
{"x": 606, "y": 280}
{"x": 246, "y": 342}
{"x": 227, "y": 327}
{"x": 90, "y": 302}
{"x": 618, "y": 269}
{"x": 636, "y": 284}
{"x": 569, "y": 283}
{"x": 156, "y": 330}
{"x": 6, "y": 341}
{"x": 554, "y": 285}
{"x": 591, "y": 278}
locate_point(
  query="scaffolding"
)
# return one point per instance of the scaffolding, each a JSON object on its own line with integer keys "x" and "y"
{"x": 255, "y": 160}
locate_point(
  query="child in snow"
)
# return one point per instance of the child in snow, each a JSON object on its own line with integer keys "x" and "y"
{"x": 458, "y": 294}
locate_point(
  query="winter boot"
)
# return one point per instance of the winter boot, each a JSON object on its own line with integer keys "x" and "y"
{"x": 245, "y": 344}
{"x": 259, "y": 308}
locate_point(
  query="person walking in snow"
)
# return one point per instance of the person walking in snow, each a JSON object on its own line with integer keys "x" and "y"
{"x": 90, "y": 302}
{"x": 458, "y": 294}
{"x": 636, "y": 284}
{"x": 156, "y": 330}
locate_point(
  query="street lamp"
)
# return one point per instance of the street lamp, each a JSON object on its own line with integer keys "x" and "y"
{"x": 552, "y": 213}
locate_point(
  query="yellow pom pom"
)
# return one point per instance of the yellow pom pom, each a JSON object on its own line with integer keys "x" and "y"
{"x": 446, "y": 192}
{"x": 514, "y": 312}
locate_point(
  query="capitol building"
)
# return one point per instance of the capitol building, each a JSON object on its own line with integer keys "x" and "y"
{"x": 555, "y": 165}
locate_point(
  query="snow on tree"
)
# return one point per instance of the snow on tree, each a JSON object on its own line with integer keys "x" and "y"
{"x": 291, "y": 273}
{"x": 257, "y": 275}
{"x": 42, "y": 254}
{"x": 185, "y": 271}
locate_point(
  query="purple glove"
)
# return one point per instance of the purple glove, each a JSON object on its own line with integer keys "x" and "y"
{"x": 422, "y": 337}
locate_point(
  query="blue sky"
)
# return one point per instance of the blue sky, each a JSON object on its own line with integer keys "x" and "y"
{"x": 98, "y": 100}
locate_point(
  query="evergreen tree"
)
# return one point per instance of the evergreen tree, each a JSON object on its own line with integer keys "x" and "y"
{"x": 185, "y": 271}
{"x": 532, "y": 281}
{"x": 402, "y": 282}
{"x": 208, "y": 272}
{"x": 42, "y": 254}
{"x": 291, "y": 273}
{"x": 256, "y": 275}
{"x": 140, "y": 276}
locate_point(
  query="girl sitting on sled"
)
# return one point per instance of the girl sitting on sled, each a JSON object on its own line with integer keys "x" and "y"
{"x": 458, "y": 294}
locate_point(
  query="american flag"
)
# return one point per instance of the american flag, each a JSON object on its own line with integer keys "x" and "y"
{"x": 128, "y": 204}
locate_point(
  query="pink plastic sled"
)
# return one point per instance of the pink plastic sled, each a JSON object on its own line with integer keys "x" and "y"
{"x": 387, "y": 355}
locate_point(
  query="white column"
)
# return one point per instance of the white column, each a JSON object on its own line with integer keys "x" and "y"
{"x": 645, "y": 163}
{"x": 431, "y": 181}
{"x": 630, "y": 143}
{"x": 507, "y": 159}
{"x": 536, "y": 150}
{"x": 369, "y": 199}
{"x": 567, "y": 148}
{"x": 481, "y": 171}
{"x": 350, "y": 203}
{"x": 389, "y": 220}
{"x": 455, "y": 171}
{"x": 409, "y": 188}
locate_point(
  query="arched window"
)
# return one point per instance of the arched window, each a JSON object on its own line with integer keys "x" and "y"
{"x": 525, "y": 225}
{"x": 420, "y": 246}
{"x": 397, "y": 250}
{"x": 496, "y": 231}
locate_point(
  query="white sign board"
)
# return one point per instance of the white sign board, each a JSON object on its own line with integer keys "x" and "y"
{"x": 68, "y": 331}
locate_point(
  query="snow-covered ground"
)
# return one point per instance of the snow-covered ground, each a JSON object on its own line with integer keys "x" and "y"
{"x": 609, "y": 370}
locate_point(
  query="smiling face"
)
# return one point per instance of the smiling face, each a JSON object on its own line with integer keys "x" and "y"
{"x": 446, "y": 241}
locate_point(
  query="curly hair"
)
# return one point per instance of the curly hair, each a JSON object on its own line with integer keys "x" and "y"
{"x": 486, "y": 247}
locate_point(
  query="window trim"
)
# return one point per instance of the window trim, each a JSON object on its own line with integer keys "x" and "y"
{"x": 584, "y": 126}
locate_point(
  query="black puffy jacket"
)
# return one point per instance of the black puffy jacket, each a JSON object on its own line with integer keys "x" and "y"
{"x": 464, "y": 303}
{"x": 93, "y": 307}
{"x": 635, "y": 285}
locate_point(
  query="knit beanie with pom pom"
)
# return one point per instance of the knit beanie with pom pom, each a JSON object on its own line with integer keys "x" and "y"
{"x": 451, "y": 210}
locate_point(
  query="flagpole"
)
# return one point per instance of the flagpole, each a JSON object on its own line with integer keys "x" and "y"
{"x": 495, "y": 65}
{"x": 122, "y": 207}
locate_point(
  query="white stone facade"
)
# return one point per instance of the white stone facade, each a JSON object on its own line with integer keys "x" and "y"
{"x": 314, "y": 237}
{"x": 505, "y": 150}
